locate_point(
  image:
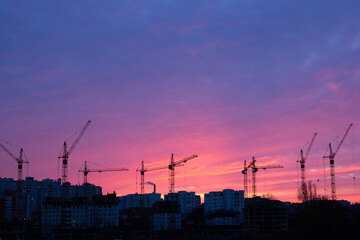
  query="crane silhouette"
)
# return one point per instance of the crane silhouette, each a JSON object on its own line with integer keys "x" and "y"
{"x": 19, "y": 160}
{"x": 302, "y": 166}
{"x": 254, "y": 168}
{"x": 331, "y": 157}
{"x": 172, "y": 166}
{"x": 66, "y": 153}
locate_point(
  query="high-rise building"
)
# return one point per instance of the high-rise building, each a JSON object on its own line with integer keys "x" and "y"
{"x": 72, "y": 214}
{"x": 50, "y": 188}
{"x": 105, "y": 211}
{"x": 225, "y": 201}
{"x": 187, "y": 201}
{"x": 7, "y": 184}
{"x": 14, "y": 202}
{"x": 265, "y": 215}
{"x": 165, "y": 216}
{"x": 224, "y": 208}
{"x": 32, "y": 196}
{"x": 86, "y": 190}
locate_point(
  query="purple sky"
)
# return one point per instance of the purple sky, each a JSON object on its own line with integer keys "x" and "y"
{"x": 226, "y": 80}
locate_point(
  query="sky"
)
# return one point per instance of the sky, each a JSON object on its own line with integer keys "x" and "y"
{"x": 226, "y": 80}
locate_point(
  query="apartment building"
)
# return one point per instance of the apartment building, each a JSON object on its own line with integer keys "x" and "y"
{"x": 187, "y": 201}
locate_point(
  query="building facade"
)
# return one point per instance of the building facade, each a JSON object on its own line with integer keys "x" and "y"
{"x": 30, "y": 198}
{"x": 105, "y": 211}
{"x": 166, "y": 216}
{"x": 187, "y": 201}
{"x": 72, "y": 214}
{"x": 224, "y": 201}
{"x": 265, "y": 215}
{"x": 134, "y": 200}
{"x": 224, "y": 208}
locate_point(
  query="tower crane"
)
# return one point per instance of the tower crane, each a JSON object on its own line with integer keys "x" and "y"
{"x": 66, "y": 153}
{"x": 142, "y": 171}
{"x": 19, "y": 161}
{"x": 18, "y": 211}
{"x": 172, "y": 166}
{"x": 86, "y": 170}
{"x": 331, "y": 157}
{"x": 255, "y": 168}
{"x": 302, "y": 165}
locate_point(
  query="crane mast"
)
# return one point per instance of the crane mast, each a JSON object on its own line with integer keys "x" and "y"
{"x": 172, "y": 175}
{"x": 302, "y": 166}
{"x": 20, "y": 165}
{"x": 331, "y": 157}
{"x": 64, "y": 164}
{"x": 142, "y": 182}
{"x": 86, "y": 171}
{"x": 245, "y": 179}
{"x": 254, "y": 171}
{"x": 172, "y": 166}
{"x": 66, "y": 153}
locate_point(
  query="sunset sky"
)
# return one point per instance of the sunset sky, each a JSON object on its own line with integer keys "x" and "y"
{"x": 226, "y": 80}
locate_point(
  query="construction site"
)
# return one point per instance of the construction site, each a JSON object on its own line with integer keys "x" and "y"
{"x": 241, "y": 213}
{"x": 234, "y": 119}
{"x": 250, "y": 167}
